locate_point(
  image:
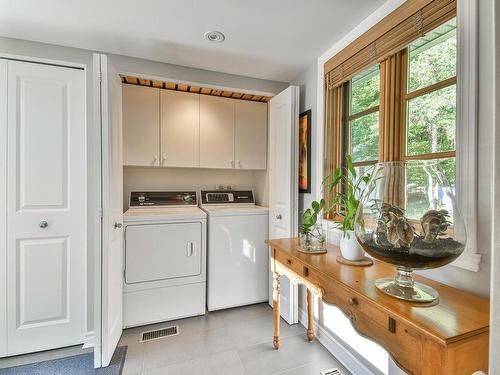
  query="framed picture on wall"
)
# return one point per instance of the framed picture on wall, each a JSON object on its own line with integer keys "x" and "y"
{"x": 305, "y": 152}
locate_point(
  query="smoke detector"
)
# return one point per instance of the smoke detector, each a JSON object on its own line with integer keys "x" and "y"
{"x": 214, "y": 36}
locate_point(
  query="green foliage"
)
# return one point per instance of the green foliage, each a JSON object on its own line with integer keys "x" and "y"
{"x": 350, "y": 185}
{"x": 364, "y": 131}
{"x": 310, "y": 216}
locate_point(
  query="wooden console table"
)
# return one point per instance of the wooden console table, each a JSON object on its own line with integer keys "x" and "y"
{"x": 446, "y": 338}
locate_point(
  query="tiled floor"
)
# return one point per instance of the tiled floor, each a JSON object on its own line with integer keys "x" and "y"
{"x": 228, "y": 342}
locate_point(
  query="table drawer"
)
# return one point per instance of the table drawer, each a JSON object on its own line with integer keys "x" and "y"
{"x": 289, "y": 262}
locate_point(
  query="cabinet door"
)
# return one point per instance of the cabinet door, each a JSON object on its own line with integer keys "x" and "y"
{"x": 250, "y": 140}
{"x": 216, "y": 132}
{"x": 141, "y": 125}
{"x": 180, "y": 129}
{"x": 162, "y": 251}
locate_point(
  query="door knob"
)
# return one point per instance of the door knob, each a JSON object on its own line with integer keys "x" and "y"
{"x": 118, "y": 225}
{"x": 43, "y": 224}
{"x": 279, "y": 217}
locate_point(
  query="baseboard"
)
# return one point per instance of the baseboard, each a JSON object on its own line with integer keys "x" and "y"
{"x": 88, "y": 341}
{"x": 351, "y": 361}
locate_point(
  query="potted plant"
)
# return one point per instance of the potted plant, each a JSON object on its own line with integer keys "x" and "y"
{"x": 348, "y": 185}
{"x": 312, "y": 235}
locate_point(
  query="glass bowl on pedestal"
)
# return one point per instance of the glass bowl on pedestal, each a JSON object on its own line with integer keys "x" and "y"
{"x": 408, "y": 217}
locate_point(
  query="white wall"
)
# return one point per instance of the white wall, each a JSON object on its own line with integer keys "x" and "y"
{"x": 142, "y": 178}
{"x": 477, "y": 282}
{"x": 129, "y": 65}
{"x": 306, "y": 80}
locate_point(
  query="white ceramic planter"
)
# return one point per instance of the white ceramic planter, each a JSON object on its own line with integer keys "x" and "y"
{"x": 350, "y": 248}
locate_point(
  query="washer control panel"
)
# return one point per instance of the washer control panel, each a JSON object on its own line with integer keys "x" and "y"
{"x": 227, "y": 197}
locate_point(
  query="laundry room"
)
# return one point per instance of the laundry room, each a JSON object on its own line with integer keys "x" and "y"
{"x": 194, "y": 199}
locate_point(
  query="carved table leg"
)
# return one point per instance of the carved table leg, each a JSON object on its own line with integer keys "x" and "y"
{"x": 310, "y": 316}
{"x": 276, "y": 310}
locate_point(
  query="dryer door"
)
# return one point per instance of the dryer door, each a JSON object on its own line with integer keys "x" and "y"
{"x": 162, "y": 251}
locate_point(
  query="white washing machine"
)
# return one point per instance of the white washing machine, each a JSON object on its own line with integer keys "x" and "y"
{"x": 238, "y": 258}
{"x": 165, "y": 257}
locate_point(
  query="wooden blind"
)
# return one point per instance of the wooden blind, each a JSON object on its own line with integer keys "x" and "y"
{"x": 407, "y": 23}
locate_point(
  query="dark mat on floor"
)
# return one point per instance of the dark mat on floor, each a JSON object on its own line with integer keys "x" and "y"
{"x": 82, "y": 364}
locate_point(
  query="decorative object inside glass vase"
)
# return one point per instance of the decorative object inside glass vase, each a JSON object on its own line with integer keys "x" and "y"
{"x": 408, "y": 217}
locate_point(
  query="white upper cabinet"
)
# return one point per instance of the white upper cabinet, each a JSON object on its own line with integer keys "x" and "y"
{"x": 180, "y": 129}
{"x": 216, "y": 132}
{"x": 169, "y": 128}
{"x": 141, "y": 125}
{"x": 250, "y": 141}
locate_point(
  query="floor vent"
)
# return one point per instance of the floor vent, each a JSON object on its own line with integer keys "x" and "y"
{"x": 160, "y": 333}
{"x": 333, "y": 371}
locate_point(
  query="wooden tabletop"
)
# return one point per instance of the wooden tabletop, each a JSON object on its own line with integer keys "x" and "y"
{"x": 457, "y": 314}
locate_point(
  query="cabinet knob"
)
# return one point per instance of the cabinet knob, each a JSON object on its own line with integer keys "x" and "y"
{"x": 118, "y": 225}
{"x": 231, "y": 162}
{"x": 352, "y": 301}
{"x": 238, "y": 162}
{"x": 43, "y": 224}
{"x": 279, "y": 217}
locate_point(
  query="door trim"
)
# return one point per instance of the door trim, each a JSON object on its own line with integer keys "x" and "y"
{"x": 44, "y": 61}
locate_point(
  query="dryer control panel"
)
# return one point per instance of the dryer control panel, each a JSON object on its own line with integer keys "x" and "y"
{"x": 228, "y": 197}
{"x": 163, "y": 198}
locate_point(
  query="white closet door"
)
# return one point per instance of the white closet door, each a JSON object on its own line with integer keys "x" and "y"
{"x": 109, "y": 289}
{"x": 216, "y": 132}
{"x": 3, "y": 204}
{"x": 46, "y": 208}
{"x": 141, "y": 125}
{"x": 180, "y": 129}
{"x": 250, "y": 140}
{"x": 283, "y": 185}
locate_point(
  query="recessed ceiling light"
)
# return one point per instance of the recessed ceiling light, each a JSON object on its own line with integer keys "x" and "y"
{"x": 214, "y": 36}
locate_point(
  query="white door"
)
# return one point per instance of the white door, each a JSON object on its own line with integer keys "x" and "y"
{"x": 109, "y": 294}
{"x": 250, "y": 138}
{"x": 3, "y": 203}
{"x": 162, "y": 251}
{"x": 283, "y": 185}
{"x": 46, "y": 207}
{"x": 216, "y": 132}
{"x": 141, "y": 125}
{"x": 180, "y": 129}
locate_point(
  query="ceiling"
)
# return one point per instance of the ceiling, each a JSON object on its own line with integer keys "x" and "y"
{"x": 269, "y": 39}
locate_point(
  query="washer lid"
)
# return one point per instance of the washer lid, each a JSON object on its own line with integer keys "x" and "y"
{"x": 163, "y": 213}
{"x": 214, "y": 211}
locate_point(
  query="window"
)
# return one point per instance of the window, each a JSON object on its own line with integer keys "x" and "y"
{"x": 416, "y": 88}
{"x": 415, "y": 48}
{"x": 430, "y": 104}
{"x": 361, "y": 123}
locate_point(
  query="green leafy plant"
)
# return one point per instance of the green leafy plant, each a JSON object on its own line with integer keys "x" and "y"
{"x": 310, "y": 216}
{"x": 349, "y": 185}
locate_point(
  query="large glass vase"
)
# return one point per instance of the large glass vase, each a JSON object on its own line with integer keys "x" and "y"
{"x": 408, "y": 217}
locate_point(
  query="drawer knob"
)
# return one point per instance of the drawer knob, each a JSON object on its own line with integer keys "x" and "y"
{"x": 352, "y": 301}
{"x": 289, "y": 261}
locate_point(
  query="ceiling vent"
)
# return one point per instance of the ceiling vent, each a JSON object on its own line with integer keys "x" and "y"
{"x": 214, "y": 36}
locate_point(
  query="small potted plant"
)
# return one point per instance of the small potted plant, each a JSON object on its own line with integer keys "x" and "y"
{"x": 349, "y": 185}
{"x": 312, "y": 235}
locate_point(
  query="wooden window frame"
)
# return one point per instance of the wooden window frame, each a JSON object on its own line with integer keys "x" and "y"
{"x": 367, "y": 34}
